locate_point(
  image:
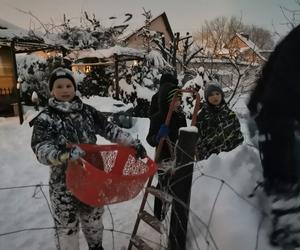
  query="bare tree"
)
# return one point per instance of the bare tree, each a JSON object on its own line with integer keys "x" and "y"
{"x": 214, "y": 34}
{"x": 222, "y": 53}
{"x": 291, "y": 16}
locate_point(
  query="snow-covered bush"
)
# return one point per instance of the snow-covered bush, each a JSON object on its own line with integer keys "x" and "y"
{"x": 195, "y": 80}
{"x": 34, "y": 73}
{"x": 95, "y": 83}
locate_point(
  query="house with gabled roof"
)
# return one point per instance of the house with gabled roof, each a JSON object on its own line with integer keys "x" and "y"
{"x": 240, "y": 46}
{"x": 159, "y": 24}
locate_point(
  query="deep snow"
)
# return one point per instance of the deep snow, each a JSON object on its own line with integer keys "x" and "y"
{"x": 221, "y": 186}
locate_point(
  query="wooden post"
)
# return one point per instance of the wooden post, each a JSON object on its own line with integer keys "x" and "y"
{"x": 117, "y": 76}
{"x": 181, "y": 184}
{"x": 175, "y": 48}
{"x": 17, "y": 85}
{"x": 163, "y": 41}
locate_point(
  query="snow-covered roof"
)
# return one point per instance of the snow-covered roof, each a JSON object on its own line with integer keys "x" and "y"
{"x": 250, "y": 45}
{"x": 135, "y": 24}
{"x": 25, "y": 40}
{"x": 9, "y": 31}
{"x": 220, "y": 61}
{"x": 105, "y": 53}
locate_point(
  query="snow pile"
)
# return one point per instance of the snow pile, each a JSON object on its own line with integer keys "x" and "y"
{"x": 221, "y": 186}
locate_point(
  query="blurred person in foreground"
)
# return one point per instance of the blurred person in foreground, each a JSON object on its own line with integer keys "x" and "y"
{"x": 275, "y": 107}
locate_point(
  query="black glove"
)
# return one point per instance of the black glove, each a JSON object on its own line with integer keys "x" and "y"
{"x": 140, "y": 150}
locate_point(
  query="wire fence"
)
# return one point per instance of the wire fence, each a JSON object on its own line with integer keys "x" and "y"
{"x": 199, "y": 228}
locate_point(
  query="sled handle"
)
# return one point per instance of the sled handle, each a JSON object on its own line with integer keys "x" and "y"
{"x": 170, "y": 112}
{"x": 197, "y": 105}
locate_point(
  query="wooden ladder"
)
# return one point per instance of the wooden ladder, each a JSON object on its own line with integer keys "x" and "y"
{"x": 166, "y": 198}
{"x": 151, "y": 220}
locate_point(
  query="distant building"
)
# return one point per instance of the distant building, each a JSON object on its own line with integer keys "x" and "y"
{"x": 240, "y": 52}
{"x": 241, "y": 47}
{"x": 13, "y": 40}
{"x": 159, "y": 24}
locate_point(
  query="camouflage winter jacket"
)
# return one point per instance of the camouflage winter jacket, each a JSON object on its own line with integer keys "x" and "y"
{"x": 219, "y": 130}
{"x": 63, "y": 123}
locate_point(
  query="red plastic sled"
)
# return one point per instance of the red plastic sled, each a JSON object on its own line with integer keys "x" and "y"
{"x": 108, "y": 174}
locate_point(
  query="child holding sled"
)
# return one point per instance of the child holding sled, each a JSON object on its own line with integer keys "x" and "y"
{"x": 67, "y": 120}
{"x": 218, "y": 126}
{"x": 158, "y": 129}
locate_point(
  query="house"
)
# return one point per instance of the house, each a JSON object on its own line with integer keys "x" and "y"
{"x": 239, "y": 54}
{"x": 242, "y": 48}
{"x": 14, "y": 40}
{"x": 159, "y": 24}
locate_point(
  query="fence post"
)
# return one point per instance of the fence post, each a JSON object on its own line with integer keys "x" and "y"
{"x": 17, "y": 84}
{"x": 181, "y": 188}
{"x": 117, "y": 76}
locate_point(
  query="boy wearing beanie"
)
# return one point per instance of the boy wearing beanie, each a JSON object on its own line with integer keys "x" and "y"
{"x": 67, "y": 120}
{"x": 159, "y": 130}
{"x": 218, "y": 126}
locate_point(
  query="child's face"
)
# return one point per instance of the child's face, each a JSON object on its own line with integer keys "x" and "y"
{"x": 215, "y": 98}
{"x": 63, "y": 90}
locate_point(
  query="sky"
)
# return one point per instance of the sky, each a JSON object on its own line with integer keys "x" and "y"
{"x": 183, "y": 15}
{"x": 220, "y": 195}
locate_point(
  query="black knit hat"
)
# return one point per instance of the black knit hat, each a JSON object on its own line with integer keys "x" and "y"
{"x": 210, "y": 87}
{"x": 168, "y": 77}
{"x": 61, "y": 73}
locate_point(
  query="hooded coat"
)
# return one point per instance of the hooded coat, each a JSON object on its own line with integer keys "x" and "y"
{"x": 177, "y": 121}
{"x": 218, "y": 129}
{"x": 274, "y": 105}
{"x": 165, "y": 78}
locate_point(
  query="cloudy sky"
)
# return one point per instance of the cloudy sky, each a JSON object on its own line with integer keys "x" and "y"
{"x": 183, "y": 15}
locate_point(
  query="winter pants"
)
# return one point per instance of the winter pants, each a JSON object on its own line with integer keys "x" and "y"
{"x": 68, "y": 212}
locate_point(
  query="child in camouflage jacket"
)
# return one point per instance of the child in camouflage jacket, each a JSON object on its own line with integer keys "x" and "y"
{"x": 218, "y": 126}
{"x": 67, "y": 120}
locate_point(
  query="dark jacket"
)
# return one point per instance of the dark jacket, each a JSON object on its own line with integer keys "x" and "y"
{"x": 63, "y": 123}
{"x": 274, "y": 104}
{"x": 167, "y": 79}
{"x": 154, "y": 105}
{"x": 178, "y": 120}
{"x": 219, "y": 130}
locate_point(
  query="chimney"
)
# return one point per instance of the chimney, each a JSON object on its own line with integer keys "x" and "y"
{"x": 245, "y": 35}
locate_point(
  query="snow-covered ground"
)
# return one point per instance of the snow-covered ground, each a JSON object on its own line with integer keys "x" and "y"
{"x": 221, "y": 186}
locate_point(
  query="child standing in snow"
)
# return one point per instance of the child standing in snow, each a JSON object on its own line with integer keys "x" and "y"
{"x": 165, "y": 78}
{"x": 275, "y": 107}
{"x": 158, "y": 129}
{"x": 67, "y": 120}
{"x": 218, "y": 126}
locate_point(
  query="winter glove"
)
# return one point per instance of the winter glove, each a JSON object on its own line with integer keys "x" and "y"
{"x": 75, "y": 153}
{"x": 140, "y": 150}
{"x": 163, "y": 132}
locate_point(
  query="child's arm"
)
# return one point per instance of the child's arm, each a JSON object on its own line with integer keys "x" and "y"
{"x": 48, "y": 149}
{"x": 111, "y": 131}
{"x": 152, "y": 134}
